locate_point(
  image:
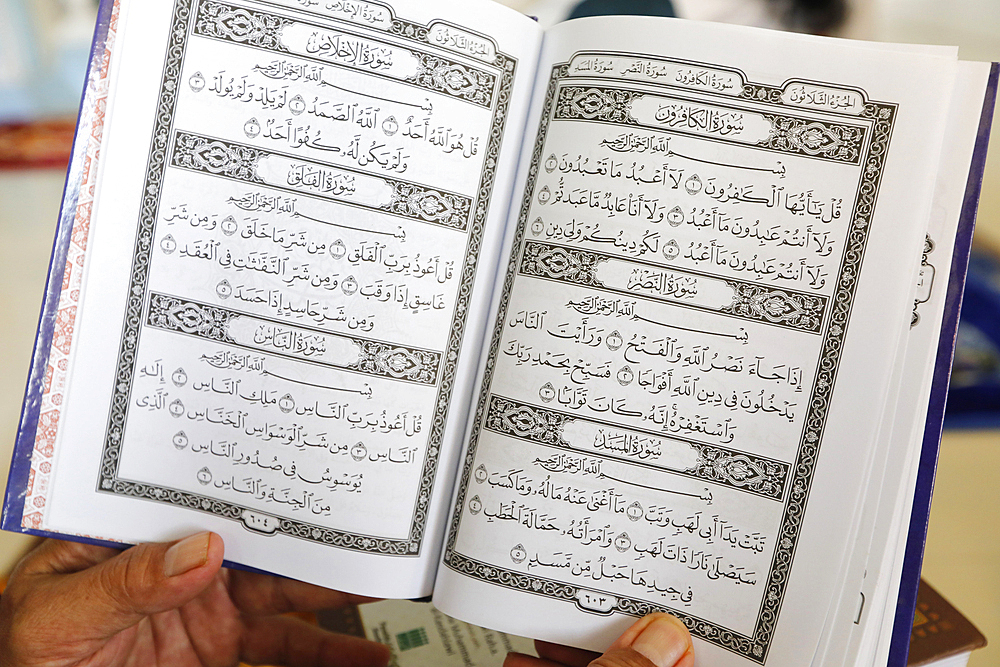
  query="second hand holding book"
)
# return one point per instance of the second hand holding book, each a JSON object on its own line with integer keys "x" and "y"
{"x": 627, "y": 316}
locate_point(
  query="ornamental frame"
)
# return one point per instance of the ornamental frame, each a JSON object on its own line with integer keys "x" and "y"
{"x": 182, "y": 26}
{"x": 755, "y": 646}
{"x": 751, "y": 301}
{"x": 738, "y": 470}
{"x": 791, "y": 134}
{"x": 261, "y": 30}
{"x": 237, "y": 162}
{"x": 376, "y": 358}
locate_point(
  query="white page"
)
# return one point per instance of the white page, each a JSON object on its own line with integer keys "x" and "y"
{"x": 874, "y": 466}
{"x": 858, "y": 626}
{"x": 313, "y": 257}
{"x": 962, "y": 132}
{"x": 517, "y": 531}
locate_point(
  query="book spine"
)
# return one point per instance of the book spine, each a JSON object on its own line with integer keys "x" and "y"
{"x": 20, "y": 480}
{"x": 913, "y": 556}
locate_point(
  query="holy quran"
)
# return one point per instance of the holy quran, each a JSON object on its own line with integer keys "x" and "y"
{"x": 565, "y": 326}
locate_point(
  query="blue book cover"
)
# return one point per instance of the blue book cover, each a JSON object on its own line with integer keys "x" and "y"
{"x": 914, "y": 554}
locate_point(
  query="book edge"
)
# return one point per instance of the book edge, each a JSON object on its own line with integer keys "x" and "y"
{"x": 24, "y": 443}
{"x": 913, "y": 554}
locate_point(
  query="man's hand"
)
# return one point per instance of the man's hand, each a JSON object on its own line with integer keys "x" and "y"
{"x": 164, "y": 604}
{"x": 658, "y": 640}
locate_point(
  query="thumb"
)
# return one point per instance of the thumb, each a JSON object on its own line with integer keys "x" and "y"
{"x": 660, "y": 640}
{"x": 146, "y": 579}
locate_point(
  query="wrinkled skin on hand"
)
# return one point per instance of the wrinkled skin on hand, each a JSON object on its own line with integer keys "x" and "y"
{"x": 77, "y": 605}
{"x": 87, "y": 606}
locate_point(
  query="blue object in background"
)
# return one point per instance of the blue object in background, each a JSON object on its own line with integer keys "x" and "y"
{"x": 42, "y": 67}
{"x": 974, "y": 396}
{"x": 623, "y": 7}
{"x": 18, "y": 59}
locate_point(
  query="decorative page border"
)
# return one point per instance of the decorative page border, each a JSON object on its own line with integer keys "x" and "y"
{"x": 217, "y": 20}
{"x": 181, "y": 29}
{"x": 57, "y": 367}
{"x": 376, "y": 16}
{"x": 228, "y": 159}
{"x": 376, "y": 358}
{"x": 754, "y": 647}
{"x": 758, "y": 303}
{"x": 788, "y": 134}
{"x": 738, "y": 470}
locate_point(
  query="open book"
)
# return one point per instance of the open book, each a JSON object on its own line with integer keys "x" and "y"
{"x": 632, "y": 315}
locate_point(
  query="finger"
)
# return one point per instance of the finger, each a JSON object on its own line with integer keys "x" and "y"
{"x": 523, "y": 660}
{"x": 281, "y": 640}
{"x": 61, "y": 557}
{"x": 565, "y": 655}
{"x": 264, "y": 595}
{"x": 147, "y": 579}
{"x": 657, "y": 640}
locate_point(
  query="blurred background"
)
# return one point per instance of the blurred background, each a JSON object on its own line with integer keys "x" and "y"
{"x": 44, "y": 47}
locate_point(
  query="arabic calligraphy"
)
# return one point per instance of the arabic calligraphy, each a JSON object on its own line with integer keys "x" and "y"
{"x": 302, "y": 305}
{"x": 658, "y": 345}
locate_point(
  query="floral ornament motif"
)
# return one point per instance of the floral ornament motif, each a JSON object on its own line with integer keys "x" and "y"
{"x": 801, "y": 311}
{"x": 239, "y": 25}
{"x": 216, "y": 157}
{"x": 829, "y": 140}
{"x": 592, "y": 103}
{"x": 753, "y": 473}
{"x": 761, "y": 93}
{"x": 454, "y": 78}
{"x": 343, "y": 540}
{"x": 397, "y": 362}
{"x": 408, "y": 30}
{"x": 524, "y": 421}
{"x": 927, "y": 272}
{"x": 430, "y": 206}
{"x": 192, "y": 318}
{"x": 578, "y": 267}
{"x": 451, "y": 78}
{"x": 414, "y": 201}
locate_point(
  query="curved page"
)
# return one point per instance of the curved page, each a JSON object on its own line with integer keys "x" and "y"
{"x": 293, "y": 244}
{"x": 710, "y": 274}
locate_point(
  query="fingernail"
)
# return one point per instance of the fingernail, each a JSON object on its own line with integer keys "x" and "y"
{"x": 664, "y": 641}
{"x": 186, "y": 555}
